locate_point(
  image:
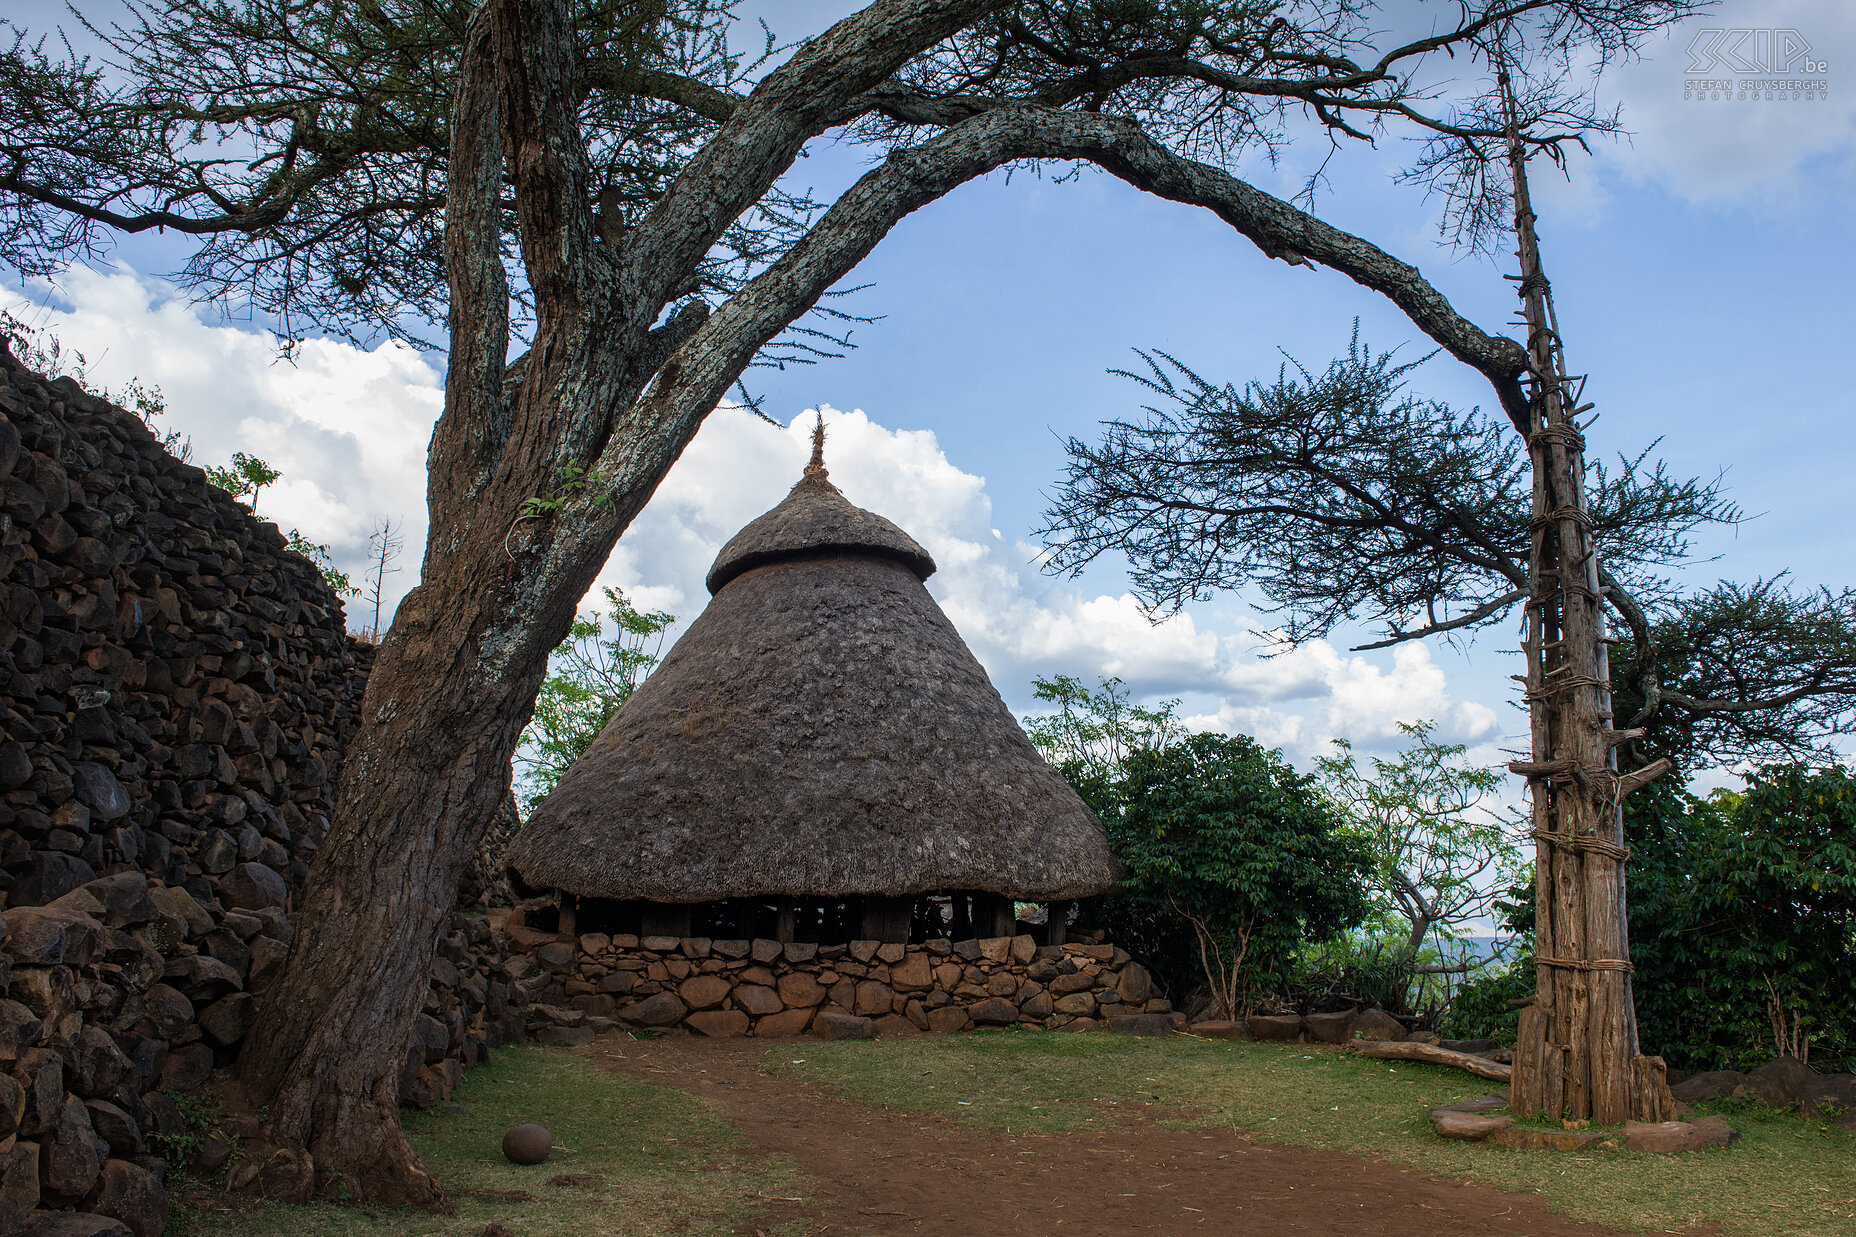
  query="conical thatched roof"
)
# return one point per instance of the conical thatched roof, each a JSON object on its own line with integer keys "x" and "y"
{"x": 820, "y": 730}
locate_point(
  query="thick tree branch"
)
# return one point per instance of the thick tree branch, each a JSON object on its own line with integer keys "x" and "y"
{"x": 761, "y": 137}
{"x": 1282, "y": 231}
{"x": 470, "y": 437}
{"x": 546, "y": 152}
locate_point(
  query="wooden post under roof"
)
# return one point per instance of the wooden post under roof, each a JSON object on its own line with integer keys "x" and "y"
{"x": 1056, "y": 922}
{"x": 993, "y": 914}
{"x": 885, "y": 919}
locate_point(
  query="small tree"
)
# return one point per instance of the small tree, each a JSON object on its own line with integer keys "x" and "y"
{"x": 591, "y": 678}
{"x": 1091, "y": 734}
{"x": 1439, "y": 858}
{"x": 383, "y": 547}
{"x": 1245, "y": 850}
{"x": 246, "y": 474}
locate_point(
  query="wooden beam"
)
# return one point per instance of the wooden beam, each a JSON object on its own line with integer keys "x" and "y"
{"x": 1431, "y": 1054}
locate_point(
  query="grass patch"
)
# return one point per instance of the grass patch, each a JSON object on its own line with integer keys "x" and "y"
{"x": 1787, "y": 1175}
{"x": 635, "y": 1159}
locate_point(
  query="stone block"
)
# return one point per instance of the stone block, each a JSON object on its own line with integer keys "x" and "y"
{"x": 912, "y": 974}
{"x": 872, "y": 998}
{"x": 895, "y": 1026}
{"x": 1708, "y": 1085}
{"x": 131, "y": 1194}
{"x": 1275, "y": 1028}
{"x": 1377, "y": 1025}
{"x": 68, "y": 1164}
{"x": 831, "y": 1024}
{"x": 993, "y": 1011}
{"x": 1075, "y": 1004}
{"x": 1466, "y": 1126}
{"x": 1152, "y": 1026}
{"x": 249, "y": 886}
{"x": 225, "y": 1021}
{"x": 797, "y": 952}
{"x": 785, "y": 1024}
{"x": 1335, "y": 1028}
{"x": 1135, "y": 985}
{"x": 662, "y": 944}
{"x": 765, "y": 951}
{"x": 703, "y": 991}
{"x": 757, "y": 1000}
{"x": 661, "y": 1010}
{"x": 947, "y": 1019}
{"x": 1525, "y": 1138}
{"x": 719, "y": 1023}
{"x": 799, "y": 990}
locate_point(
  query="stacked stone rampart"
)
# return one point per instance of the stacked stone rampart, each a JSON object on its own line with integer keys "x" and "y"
{"x": 178, "y": 690}
{"x": 579, "y": 986}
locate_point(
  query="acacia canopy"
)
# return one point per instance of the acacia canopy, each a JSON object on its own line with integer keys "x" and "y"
{"x": 1341, "y": 497}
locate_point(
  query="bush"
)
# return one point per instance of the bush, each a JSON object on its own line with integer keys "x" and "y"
{"x": 1480, "y": 1008}
{"x": 1233, "y": 855}
{"x": 1743, "y": 920}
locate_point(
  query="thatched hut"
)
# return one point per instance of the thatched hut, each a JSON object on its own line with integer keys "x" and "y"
{"x": 820, "y": 757}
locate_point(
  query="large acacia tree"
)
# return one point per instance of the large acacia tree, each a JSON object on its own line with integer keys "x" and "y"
{"x": 601, "y": 181}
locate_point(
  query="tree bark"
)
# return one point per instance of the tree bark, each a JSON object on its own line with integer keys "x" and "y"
{"x": 1577, "y": 1054}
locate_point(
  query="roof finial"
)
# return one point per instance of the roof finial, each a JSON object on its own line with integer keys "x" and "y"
{"x": 816, "y": 468}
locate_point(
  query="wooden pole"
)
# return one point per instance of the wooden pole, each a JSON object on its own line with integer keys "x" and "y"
{"x": 1577, "y": 1053}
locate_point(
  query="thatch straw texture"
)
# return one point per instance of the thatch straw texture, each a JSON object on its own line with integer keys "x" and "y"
{"x": 820, "y": 730}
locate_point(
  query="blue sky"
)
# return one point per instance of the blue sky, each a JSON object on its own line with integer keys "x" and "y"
{"x": 1701, "y": 270}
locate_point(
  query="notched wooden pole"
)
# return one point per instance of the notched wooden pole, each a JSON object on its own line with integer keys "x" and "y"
{"x": 1576, "y": 1053}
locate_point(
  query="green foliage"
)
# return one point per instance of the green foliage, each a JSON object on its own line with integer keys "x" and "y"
{"x": 319, "y": 555}
{"x": 1481, "y": 1010}
{"x": 1434, "y": 848}
{"x": 1437, "y": 852}
{"x": 569, "y": 480}
{"x": 1091, "y": 734}
{"x": 1743, "y": 919}
{"x": 1369, "y": 965}
{"x": 591, "y": 678}
{"x": 198, "y": 1115}
{"x": 1246, "y": 851}
{"x": 246, "y": 474}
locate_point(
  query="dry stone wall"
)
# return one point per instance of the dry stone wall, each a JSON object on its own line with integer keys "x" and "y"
{"x": 178, "y": 690}
{"x": 579, "y": 986}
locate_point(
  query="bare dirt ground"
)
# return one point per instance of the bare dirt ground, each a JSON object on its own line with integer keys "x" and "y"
{"x": 881, "y": 1172}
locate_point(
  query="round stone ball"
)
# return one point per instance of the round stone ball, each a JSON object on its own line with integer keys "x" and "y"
{"x": 527, "y": 1144}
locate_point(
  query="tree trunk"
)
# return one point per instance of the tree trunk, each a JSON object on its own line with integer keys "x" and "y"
{"x": 1577, "y": 1052}
{"x": 602, "y": 398}
{"x": 426, "y": 774}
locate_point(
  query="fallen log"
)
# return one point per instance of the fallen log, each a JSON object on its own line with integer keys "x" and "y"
{"x": 1431, "y": 1054}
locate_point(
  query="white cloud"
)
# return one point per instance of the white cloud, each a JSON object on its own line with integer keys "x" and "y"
{"x": 1018, "y": 622}
{"x": 1770, "y": 151}
{"x": 348, "y": 428}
